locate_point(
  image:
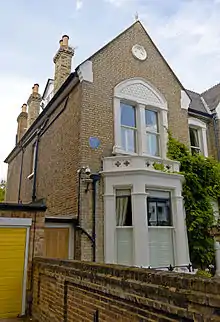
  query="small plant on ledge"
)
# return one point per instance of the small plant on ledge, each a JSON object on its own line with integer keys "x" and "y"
{"x": 159, "y": 166}
{"x": 201, "y": 186}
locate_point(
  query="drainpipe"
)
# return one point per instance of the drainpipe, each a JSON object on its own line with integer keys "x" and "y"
{"x": 95, "y": 178}
{"x": 20, "y": 178}
{"x": 34, "y": 197}
{"x": 215, "y": 119}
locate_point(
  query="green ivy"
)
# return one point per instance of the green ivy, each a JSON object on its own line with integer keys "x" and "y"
{"x": 201, "y": 186}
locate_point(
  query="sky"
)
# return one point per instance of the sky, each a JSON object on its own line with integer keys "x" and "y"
{"x": 187, "y": 32}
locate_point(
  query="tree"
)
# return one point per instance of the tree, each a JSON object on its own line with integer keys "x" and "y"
{"x": 2, "y": 190}
{"x": 201, "y": 187}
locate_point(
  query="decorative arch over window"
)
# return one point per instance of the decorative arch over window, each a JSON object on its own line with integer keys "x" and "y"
{"x": 140, "y": 114}
{"x": 198, "y": 136}
{"x": 141, "y": 91}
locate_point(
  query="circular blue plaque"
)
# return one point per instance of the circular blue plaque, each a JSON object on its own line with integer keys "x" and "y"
{"x": 94, "y": 142}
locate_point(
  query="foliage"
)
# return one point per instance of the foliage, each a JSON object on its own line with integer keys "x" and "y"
{"x": 201, "y": 186}
{"x": 2, "y": 190}
{"x": 159, "y": 166}
{"x": 203, "y": 273}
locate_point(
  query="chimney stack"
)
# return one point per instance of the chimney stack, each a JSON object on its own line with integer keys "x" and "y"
{"x": 63, "y": 62}
{"x": 22, "y": 122}
{"x": 33, "y": 105}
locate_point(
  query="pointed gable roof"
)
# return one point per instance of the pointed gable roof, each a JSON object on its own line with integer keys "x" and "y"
{"x": 138, "y": 22}
{"x": 212, "y": 96}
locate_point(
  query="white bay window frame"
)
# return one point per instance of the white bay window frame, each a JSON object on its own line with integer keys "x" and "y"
{"x": 139, "y": 93}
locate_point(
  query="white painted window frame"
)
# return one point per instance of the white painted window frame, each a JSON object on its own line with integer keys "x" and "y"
{"x": 71, "y": 235}
{"x": 155, "y": 102}
{"x": 20, "y": 223}
{"x": 173, "y": 219}
{"x": 201, "y": 127}
{"x": 116, "y": 188}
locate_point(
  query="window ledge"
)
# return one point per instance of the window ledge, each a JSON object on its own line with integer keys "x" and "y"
{"x": 118, "y": 150}
{"x": 137, "y": 162}
{"x": 30, "y": 176}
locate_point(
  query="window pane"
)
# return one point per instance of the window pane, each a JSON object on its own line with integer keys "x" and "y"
{"x": 152, "y": 144}
{"x": 128, "y": 139}
{"x": 123, "y": 211}
{"x": 151, "y": 121}
{"x": 161, "y": 247}
{"x": 124, "y": 238}
{"x": 158, "y": 212}
{"x": 152, "y": 214}
{"x": 194, "y": 137}
{"x": 163, "y": 213}
{"x": 128, "y": 115}
{"x": 195, "y": 151}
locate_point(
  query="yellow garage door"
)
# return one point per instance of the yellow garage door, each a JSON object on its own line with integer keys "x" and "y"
{"x": 12, "y": 256}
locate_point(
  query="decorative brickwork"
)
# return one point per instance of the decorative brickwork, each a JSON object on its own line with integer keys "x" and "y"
{"x": 75, "y": 291}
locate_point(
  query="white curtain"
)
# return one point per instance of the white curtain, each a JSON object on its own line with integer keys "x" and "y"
{"x": 121, "y": 210}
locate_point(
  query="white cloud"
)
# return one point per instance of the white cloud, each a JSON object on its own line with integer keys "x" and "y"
{"x": 189, "y": 40}
{"x": 16, "y": 91}
{"x": 79, "y": 4}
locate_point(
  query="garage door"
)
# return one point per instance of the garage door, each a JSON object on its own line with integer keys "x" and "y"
{"x": 12, "y": 261}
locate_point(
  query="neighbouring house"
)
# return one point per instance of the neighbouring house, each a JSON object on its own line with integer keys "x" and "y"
{"x": 111, "y": 114}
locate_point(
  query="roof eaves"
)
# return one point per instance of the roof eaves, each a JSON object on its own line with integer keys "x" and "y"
{"x": 25, "y": 136}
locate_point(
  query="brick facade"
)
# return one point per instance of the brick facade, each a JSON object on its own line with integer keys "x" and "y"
{"x": 76, "y": 291}
{"x": 64, "y": 139}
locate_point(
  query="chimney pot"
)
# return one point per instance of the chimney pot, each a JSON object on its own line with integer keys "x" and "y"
{"x": 35, "y": 88}
{"x": 24, "y": 108}
{"x": 61, "y": 42}
{"x": 65, "y": 39}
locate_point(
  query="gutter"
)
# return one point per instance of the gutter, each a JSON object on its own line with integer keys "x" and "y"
{"x": 22, "y": 207}
{"x": 191, "y": 110}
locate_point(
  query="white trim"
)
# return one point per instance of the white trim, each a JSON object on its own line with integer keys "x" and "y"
{"x": 202, "y": 128}
{"x": 85, "y": 72}
{"x": 25, "y": 272}
{"x": 217, "y": 110}
{"x": 15, "y": 221}
{"x": 185, "y": 100}
{"x": 196, "y": 122}
{"x": 71, "y": 235}
{"x": 155, "y": 97}
{"x": 142, "y": 95}
{"x": 206, "y": 105}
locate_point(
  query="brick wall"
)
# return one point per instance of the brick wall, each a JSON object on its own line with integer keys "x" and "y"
{"x": 76, "y": 291}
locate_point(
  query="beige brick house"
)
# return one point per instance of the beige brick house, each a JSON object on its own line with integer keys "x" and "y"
{"x": 125, "y": 96}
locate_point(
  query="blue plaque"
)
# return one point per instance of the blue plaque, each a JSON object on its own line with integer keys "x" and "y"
{"x": 94, "y": 142}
